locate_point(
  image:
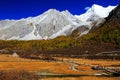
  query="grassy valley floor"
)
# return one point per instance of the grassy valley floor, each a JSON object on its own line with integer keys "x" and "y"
{"x": 67, "y": 69}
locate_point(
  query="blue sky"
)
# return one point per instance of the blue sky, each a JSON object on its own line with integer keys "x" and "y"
{"x": 16, "y": 9}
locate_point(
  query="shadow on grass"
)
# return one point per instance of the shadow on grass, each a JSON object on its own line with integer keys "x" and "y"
{"x": 62, "y": 76}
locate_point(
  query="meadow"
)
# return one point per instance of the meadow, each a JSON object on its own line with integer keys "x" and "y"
{"x": 58, "y": 70}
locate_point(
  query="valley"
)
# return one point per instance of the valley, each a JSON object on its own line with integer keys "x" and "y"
{"x": 57, "y": 45}
{"x": 67, "y": 69}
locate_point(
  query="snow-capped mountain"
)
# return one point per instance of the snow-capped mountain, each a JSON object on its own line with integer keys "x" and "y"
{"x": 95, "y": 12}
{"x": 95, "y": 16}
{"x": 51, "y": 24}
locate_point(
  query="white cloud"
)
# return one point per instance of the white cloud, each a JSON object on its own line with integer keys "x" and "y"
{"x": 86, "y": 8}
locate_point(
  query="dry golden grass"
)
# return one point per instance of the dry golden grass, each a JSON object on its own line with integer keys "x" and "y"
{"x": 32, "y": 66}
{"x": 87, "y": 63}
{"x": 8, "y": 57}
{"x": 96, "y": 62}
{"x": 8, "y": 62}
{"x": 53, "y": 67}
{"x": 83, "y": 78}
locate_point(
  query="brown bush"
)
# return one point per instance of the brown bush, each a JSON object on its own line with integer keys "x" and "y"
{"x": 17, "y": 75}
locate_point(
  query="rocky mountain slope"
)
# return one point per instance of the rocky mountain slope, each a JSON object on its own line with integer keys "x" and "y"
{"x": 106, "y": 38}
{"x": 52, "y": 23}
{"x": 110, "y": 30}
{"x": 48, "y": 25}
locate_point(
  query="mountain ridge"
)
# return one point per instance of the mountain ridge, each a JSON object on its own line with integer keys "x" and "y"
{"x": 48, "y": 25}
{"x": 105, "y": 38}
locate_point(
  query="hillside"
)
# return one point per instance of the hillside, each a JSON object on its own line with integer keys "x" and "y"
{"x": 104, "y": 38}
{"x": 51, "y": 24}
{"x": 109, "y": 32}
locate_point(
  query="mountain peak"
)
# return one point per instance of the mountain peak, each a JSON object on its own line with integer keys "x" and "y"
{"x": 100, "y": 10}
{"x": 96, "y": 12}
{"x": 96, "y": 5}
{"x": 66, "y": 11}
{"x": 95, "y": 8}
{"x": 48, "y": 25}
{"x": 52, "y": 11}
